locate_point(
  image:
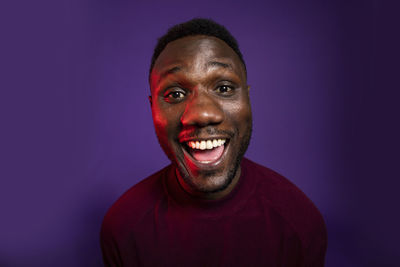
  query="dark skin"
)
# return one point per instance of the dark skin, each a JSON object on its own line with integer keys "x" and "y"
{"x": 199, "y": 92}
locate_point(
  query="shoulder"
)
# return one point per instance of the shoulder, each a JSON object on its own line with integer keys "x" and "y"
{"x": 134, "y": 204}
{"x": 288, "y": 201}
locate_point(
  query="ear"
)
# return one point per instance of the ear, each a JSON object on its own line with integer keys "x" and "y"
{"x": 248, "y": 90}
{"x": 151, "y": 101}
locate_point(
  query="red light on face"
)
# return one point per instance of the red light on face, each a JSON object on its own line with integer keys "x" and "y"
{"x": 199, "y": 93}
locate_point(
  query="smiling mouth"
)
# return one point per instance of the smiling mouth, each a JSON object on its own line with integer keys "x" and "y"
{"x": 206, "y": 151}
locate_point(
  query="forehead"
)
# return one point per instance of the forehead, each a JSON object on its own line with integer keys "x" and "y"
{"x": 194, "y": 52}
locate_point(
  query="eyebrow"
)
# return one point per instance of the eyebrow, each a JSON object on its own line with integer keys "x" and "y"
{"x": 169, "y": 71}
{"x": 219, "y": 64}
{"x": 209, "y": 64}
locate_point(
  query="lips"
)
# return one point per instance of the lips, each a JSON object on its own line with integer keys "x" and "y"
{"x": 207, "y": 156}
{"x": 205, "y": 152}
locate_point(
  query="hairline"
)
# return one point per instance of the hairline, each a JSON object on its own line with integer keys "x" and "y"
{"x": 195, "y": 35}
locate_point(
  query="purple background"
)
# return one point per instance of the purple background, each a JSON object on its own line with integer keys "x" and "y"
{"x": 76, "y": 128}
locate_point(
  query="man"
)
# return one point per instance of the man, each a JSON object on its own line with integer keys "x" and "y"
{"x": 211, "y": 206}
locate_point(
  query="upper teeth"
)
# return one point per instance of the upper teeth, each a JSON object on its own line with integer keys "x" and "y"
{"x": 206, "y": 144}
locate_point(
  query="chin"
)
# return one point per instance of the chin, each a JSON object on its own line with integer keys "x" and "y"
{"x": 215, "y": 176}
{"x": 215, "y": 184}
{"x": 208, "y": 181}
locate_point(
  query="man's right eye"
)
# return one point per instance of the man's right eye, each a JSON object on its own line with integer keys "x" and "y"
{"x": 174, "y": 96}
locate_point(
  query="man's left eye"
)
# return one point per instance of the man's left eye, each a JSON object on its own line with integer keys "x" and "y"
{"x": 224, "y": 89}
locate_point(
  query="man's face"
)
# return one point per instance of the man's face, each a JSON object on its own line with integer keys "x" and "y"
{"x": 201, "y": 111}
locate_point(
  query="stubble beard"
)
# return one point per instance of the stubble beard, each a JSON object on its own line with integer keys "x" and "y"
{"x": 230, "y": 175}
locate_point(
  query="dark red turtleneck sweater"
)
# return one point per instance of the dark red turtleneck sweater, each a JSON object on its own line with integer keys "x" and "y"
{"x": 264, "y": 221}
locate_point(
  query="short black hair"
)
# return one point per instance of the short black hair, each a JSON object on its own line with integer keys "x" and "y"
{"x": 196, "y": 26}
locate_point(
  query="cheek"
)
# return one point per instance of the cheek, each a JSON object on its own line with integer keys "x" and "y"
{"x": 165, "y": 122}
{"x": 242, "y": 120}
{"x": 240, "y": 114}
{"x": 245, "y": 107}
{"x": 160, "y": 124}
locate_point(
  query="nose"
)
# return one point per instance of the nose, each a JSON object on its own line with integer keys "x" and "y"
{"x": 202, "y": 110}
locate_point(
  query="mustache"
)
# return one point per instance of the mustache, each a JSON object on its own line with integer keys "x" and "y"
{"x": 201, "y": 132}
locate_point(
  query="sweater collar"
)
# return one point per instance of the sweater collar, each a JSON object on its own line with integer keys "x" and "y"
{"x": 178, "y": 197}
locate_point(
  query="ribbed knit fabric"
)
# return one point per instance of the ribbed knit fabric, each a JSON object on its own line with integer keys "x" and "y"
{"x": 264, "y": 221}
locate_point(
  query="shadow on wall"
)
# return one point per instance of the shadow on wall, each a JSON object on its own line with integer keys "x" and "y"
{"x": 92, "y": 214}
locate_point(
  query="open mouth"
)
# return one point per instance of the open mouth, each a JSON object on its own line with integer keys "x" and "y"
{"x": 206, "y": 151}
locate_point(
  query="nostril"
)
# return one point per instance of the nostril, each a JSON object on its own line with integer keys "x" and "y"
{"x": 202, "y": 117}
{"x": 202, "y": 111}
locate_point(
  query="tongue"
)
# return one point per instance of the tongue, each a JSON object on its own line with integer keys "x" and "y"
{"x": 208, "y": 154}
